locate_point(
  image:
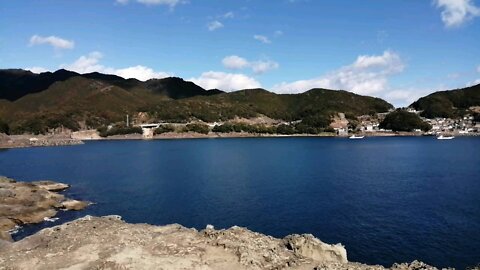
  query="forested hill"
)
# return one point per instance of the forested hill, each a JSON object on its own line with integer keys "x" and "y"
{"x": 16, "y": 83}
{"x": 37, "y": 102}
{"x": 448, "y": 104}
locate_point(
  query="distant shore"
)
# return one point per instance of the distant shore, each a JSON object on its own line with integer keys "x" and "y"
{"x": 26, "y": 140}
{"x": 22, "y": 141}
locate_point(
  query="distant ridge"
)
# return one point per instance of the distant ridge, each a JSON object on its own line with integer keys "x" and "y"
{"x": 451, "y": 103}
{"x": 16, "y": 83}
{"x": 32, "y": 103}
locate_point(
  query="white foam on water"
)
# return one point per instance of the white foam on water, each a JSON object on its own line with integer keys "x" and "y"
{"x": 15, "y": 230}
{"x": 50, "y": 219}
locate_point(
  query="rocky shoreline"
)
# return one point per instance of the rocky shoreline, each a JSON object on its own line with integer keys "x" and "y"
{"x": 110, "y": 243}
{"x": 31, "y": 202}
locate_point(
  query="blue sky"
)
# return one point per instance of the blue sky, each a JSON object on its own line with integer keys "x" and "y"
{"x": 397, "y": 50}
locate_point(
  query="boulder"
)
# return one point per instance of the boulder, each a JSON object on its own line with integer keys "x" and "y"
{"x": 51, "y": 186}
{"x": 74, "y": 205}
{"x": 307, "y": 245}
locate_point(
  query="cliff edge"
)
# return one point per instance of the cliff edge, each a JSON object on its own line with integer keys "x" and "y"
{"x": 110, "y": 243}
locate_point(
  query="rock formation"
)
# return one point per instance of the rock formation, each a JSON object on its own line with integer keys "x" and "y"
{"x": 25, "y": 203}
{"x": 110, "y": 243}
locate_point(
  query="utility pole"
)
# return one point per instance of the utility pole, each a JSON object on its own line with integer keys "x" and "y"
{"x": 128, "y": 122}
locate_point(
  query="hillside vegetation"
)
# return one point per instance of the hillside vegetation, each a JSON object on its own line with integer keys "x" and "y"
{"x": 401, "y": 120}
{"x": 448, "y": 104}
{"x": 314, "y": 105}
{"x": 94, "y": 100}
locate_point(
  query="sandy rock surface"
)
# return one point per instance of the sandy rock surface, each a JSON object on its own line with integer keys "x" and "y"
{"x": 110, "y": 243}
{"x": 26, "y": 203}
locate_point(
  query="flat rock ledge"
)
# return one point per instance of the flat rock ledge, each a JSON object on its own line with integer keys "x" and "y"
{"x": 31, "y": 202}
{"x": 19, "y": 141}
{"x": 110, "y": 243}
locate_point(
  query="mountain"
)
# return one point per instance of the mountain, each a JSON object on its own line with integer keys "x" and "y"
{"x": 71, "y": 103}
{"x": 93, "y": 100}
{"x": 176, "y": 88}
{"x": 16, "y": 83}
{"x": 448, "y": 104}
{"x": 4, "y": 107}
{"x": 252, "y": 102}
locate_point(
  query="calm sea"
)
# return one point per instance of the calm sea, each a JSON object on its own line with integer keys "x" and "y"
{"x": 386, "y": 199}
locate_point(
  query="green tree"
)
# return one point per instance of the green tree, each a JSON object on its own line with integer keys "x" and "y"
{"x": 198, "y": 128}
{"x": 401, "y": 120}
{"x": 286, "y": 129}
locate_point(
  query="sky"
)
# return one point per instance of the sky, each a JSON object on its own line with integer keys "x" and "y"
{"x": 398, "y": 50}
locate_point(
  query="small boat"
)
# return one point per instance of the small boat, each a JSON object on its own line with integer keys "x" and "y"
{"x": 446, "y": 137}
{"x": 356, "y": 137}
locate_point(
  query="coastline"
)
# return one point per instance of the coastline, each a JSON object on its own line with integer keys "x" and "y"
{"x": 23, "y": 141}
{"x": 34, "y": 202}
{"x": 110, "y": 243}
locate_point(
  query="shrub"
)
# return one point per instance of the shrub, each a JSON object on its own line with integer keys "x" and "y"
{"x": 329, "y": 129}
{"x": 286, "y": 129}
{"x": 225, "y": 128}
{"x": 302, "y": 128}
{"x": 243, "y": 127}
{"x": 31, "y": 126}
{"x": 197, "y": 127}
{"x": 164, "y": 129}
{"x": 4, "y": 127}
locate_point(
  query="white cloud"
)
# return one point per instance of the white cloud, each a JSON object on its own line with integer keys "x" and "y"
{"x": 56, "y": 42}
{"x": 235, "y": 62}
{"x": 389, "y": 61}
{"x": 278, "y": 33}
{"x": 405, "y": 97}
{"x": 258, "y": 67}
{"x": 225, "y": 81}
{"x": 228, "y": 15}
{"x": 141, "y": 73}
{"x": 86, "y": 63}
{"x": 91, "y": 63}
{"x": 478, "y": 69}
{"x": 262, "y": 39}
{"x": 477, "y": 81}
{"x": 214, "y": 25}
{"x": 457, "y": 12}
{"x": 37, "y": 70}
{"x": 366, "y": 76}
{"x": 171, "y": 3}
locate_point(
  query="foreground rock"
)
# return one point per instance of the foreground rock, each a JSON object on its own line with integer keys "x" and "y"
{"x": 110, "y": 243}
{"x": 26, "y": 203}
